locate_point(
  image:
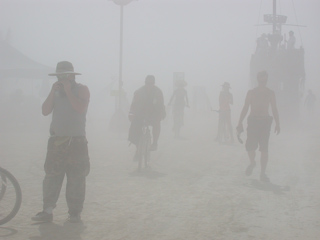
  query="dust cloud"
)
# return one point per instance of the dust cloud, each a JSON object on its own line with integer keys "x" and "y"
{"x": 196, "y": 187}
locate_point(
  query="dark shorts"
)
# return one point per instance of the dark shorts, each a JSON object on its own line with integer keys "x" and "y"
{"x": 258, "y": 133}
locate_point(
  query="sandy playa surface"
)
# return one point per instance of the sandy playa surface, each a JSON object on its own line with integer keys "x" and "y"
{"x": 196, "y": 188}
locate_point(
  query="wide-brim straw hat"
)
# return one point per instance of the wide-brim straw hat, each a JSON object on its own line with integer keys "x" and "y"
{"x": 64, "y": 67}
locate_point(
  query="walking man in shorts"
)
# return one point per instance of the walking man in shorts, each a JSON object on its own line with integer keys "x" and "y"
{"x": 259, "y": 100}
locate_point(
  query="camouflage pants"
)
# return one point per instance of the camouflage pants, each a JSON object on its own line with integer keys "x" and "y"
{"x": 66, "y": 156}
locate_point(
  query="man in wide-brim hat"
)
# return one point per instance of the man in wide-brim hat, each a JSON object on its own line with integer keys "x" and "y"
{"x": 67, "y": 146}
{"x": 64, "y": 67}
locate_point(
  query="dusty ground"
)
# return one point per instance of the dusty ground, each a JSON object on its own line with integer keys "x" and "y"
{"x": 196, "y": 188}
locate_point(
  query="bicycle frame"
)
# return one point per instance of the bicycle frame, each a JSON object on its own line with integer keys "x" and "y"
{"x": 143, "y": 148}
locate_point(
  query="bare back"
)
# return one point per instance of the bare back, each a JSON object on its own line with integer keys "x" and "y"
{"x": 260, "y": 99}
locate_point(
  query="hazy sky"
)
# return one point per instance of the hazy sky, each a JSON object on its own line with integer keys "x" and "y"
{"x": 210, "y": 40}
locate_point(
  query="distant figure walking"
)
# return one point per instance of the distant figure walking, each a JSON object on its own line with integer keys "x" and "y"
{"x": 310, "y": 102}
{"x": 259, "y": 100}
{"x": 67, "y": 150}
{"x": 180, "y": 101}
{"x": 225, "y": 130}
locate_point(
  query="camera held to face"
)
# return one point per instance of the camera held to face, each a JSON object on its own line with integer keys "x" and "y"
{"x": 63, "y": 77}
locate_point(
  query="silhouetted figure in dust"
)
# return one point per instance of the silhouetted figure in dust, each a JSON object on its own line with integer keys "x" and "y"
{"x": 67, "y": 151}
{"x": 275, "y": 40}
{"x": 259, "y": 100}
{"x": 291, "y": 41}
{"x": 309, "y": 102}
{"x": 180, "y": 101}
{"x": 225, "y": 130}
{"x": 262, "y": 44}
{"x": 147, "y": 106}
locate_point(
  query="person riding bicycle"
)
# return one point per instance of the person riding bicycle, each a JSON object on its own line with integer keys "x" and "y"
{"x": 147, "y": 107}
{"x": 180, "y": 101}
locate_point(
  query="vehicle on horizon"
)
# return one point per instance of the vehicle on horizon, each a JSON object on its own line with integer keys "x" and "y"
{"x": 278, "y": 55}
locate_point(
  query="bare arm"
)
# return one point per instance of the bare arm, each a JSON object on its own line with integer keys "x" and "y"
{"x": 47, "y": 105}
{"x": 187, "y": 99}
{"x": 220, "y": 100}
{"x": 275, "y": 113}
{"x": 245, "y": 110}
{"x": 172, "y": 97}
{"x": 161, "y": 99}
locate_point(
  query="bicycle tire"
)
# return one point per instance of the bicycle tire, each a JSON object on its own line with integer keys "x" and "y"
{"x": 143, "y": 150}
{"x": 3, "y": 180}
{"x": 18, "y": 195}
{"x": 140, "y": 152}
{"x": 147, "y": 146}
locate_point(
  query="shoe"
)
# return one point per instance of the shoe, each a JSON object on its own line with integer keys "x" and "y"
{"x": 153, "y": 147}
{"x": 250, "y": 168}
{"x": 74, "y": 218}
{"x": 264, "y": 178}
{"x": 43, "y": 217}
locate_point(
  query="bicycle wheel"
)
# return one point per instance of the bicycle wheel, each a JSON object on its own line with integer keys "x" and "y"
{"x": 12, "y": 196}
{"x": 146, "y": 147}
{"x": 3, "y": 186}
{"x": 140, "y": 152}
{"x": 143, "y": 150}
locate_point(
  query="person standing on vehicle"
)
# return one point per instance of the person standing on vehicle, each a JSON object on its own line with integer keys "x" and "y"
{"x": 147, "y": 105}
{"x": 310, "y": 102}
{"x": 291, "y": 41}
{"x": 180, "y": 101}
{"x": 67, "y": 151}
{"x": 225, "y": 129}
{"x": 259, "y": 100}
